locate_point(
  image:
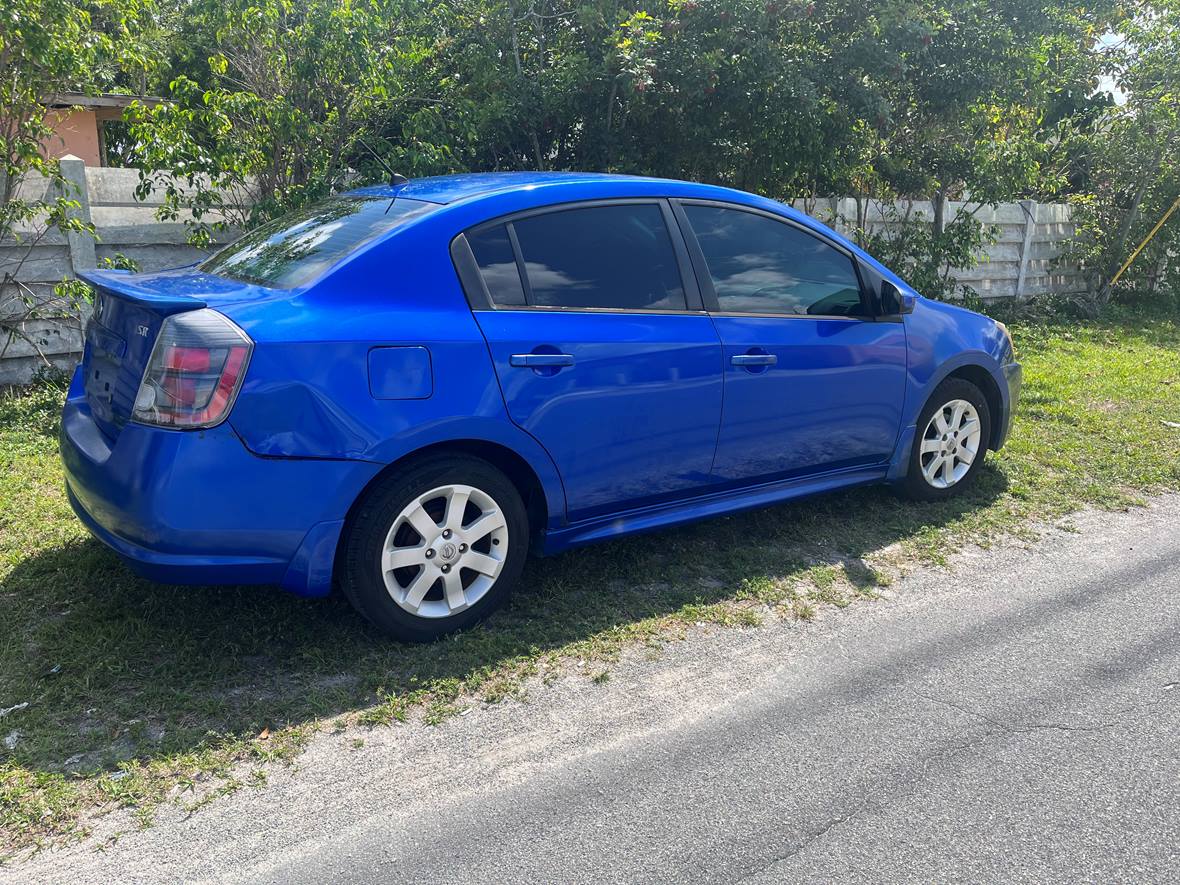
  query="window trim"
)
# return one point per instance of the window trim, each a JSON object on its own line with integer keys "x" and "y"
{"x": 480, "y": 299}
{"x": 526, "y": 285}
{"x": 470, "y": 277}
{"x": 709, "y": 292}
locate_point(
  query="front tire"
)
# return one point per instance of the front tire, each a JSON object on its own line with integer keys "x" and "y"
{"x": 435, "y": 548}
{"x": 951, "y": 442}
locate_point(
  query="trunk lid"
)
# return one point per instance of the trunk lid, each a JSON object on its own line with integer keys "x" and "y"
{"x": 129, "y": 310}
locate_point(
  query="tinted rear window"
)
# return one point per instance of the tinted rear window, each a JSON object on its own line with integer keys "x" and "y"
{"x": 296, "y": 249}
{"x": 606, "y": 257}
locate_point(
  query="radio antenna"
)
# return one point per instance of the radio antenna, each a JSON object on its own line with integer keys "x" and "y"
{"x": 395, "y": 178}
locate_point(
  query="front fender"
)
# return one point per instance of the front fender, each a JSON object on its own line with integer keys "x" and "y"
{"x": 944, "y": 339}
{"x": 973, "y": 359}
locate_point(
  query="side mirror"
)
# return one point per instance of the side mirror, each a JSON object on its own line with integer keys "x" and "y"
{"x": 894, "y": 301}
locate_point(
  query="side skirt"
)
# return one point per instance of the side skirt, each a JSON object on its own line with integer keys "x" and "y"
{"x": 664, "y": 516}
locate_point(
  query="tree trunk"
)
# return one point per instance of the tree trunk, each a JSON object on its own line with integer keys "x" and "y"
{"x": 862, "y": 212}
{"x": 534, "y": 141}
{"x": 1102, "y": 288}
{"x": 939, "y": 203}
{"x": 1118, "y": 253}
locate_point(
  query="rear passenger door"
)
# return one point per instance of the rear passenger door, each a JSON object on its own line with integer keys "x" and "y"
{"x": 813, "y": 381}
{"x": 602, "y": 347}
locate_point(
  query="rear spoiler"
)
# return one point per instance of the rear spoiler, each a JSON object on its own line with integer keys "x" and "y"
{"x": 152, "y": 293}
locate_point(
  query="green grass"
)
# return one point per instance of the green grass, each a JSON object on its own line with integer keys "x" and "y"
{"x": 139, "y": 694}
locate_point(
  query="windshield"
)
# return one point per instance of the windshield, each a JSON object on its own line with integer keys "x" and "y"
{"x": 296, "y": 249}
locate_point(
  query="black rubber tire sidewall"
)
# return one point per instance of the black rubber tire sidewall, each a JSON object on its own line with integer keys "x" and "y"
{"x": 915, "y": 485}
{"x": 365, "y": 533}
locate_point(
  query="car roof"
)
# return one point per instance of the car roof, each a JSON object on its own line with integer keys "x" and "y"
{"x": 512, "y": 191}
{"x": 465, "y": 189}
{"x": 454, "y": 188}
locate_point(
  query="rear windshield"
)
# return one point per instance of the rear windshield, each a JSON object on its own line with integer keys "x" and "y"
{"x": 294, "y": 250}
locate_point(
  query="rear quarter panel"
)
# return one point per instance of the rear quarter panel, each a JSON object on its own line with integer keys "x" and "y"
{"x": 307, "y": 393}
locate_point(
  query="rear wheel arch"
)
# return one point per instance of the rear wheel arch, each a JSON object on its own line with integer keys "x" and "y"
{"x": 518, "y": 470}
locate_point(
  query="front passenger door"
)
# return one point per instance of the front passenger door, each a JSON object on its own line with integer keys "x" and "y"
{"x": 812, "y": 382}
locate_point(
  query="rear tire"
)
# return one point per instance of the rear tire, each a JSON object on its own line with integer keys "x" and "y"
{"x": 435, "y": 548}
{"x": 950, "y": 443}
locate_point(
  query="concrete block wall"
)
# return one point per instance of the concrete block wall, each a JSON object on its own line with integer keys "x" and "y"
{"x": 1020, "y": 264}
{"x": 43, "y": 258}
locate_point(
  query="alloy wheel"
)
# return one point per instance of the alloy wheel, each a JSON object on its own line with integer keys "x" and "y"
{"x": 444, "y": 551}
{"x": 950, "y": 443}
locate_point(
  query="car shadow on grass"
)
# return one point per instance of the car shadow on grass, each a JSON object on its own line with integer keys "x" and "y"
{"x": 115, "y": 668}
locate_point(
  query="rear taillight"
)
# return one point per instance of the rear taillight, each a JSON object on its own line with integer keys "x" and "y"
{"x": 195, "y": 371}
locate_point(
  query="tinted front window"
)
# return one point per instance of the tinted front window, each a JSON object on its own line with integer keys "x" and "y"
{"x": 759, "y": 265}
{"x": 617, "y": 257}
{"x": 295, "y": 249}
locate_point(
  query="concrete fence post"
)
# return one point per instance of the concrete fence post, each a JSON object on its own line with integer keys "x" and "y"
{"x": 73, "y": 170}
{"x": 1030, "y": 225}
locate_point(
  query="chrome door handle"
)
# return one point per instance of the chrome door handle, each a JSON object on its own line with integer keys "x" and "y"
{"x": 754, "y": 359}
{"x": 534, "y": 360}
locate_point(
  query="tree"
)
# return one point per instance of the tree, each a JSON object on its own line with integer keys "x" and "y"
{"x": 49, "y": 47}
{"x": 878, "y": 99}
{"x": 1132, "y": 162}
{"x": 269, "y": 102}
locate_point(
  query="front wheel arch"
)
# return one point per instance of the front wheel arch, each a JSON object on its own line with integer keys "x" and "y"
{"x": 986, "y": 382}
{"x": 912, "y": 483}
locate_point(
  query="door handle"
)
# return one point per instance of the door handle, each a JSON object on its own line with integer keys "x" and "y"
{"x": 754, "y": 359}
{"x": 536, "y": 360}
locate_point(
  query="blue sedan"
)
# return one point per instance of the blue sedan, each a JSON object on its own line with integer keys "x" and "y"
{"x": 404, "y": 389}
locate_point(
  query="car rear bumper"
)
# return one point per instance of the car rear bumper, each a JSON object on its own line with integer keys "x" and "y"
{"x": 196, "y": 507}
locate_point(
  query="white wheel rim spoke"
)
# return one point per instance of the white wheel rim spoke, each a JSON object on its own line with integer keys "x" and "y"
{"x": 442, "y": 567}
{"x": 957, "y": 415}
{"x": 456, "y": 507}
{"x": 402, "y": 557}
{"x": 485, "y": 565}
{"x": 420, "y": 520}
{"x": 453, "y": 591}
{"x": 487, "y": 523}
{"x": 417, "y": 590}
{"x": 950, "y": 443}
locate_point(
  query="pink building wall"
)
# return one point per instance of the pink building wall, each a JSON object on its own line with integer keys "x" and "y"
{"x": 76, "y": 132}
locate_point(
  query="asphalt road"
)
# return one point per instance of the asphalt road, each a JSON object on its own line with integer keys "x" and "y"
{"x": 1015, "y": 718}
